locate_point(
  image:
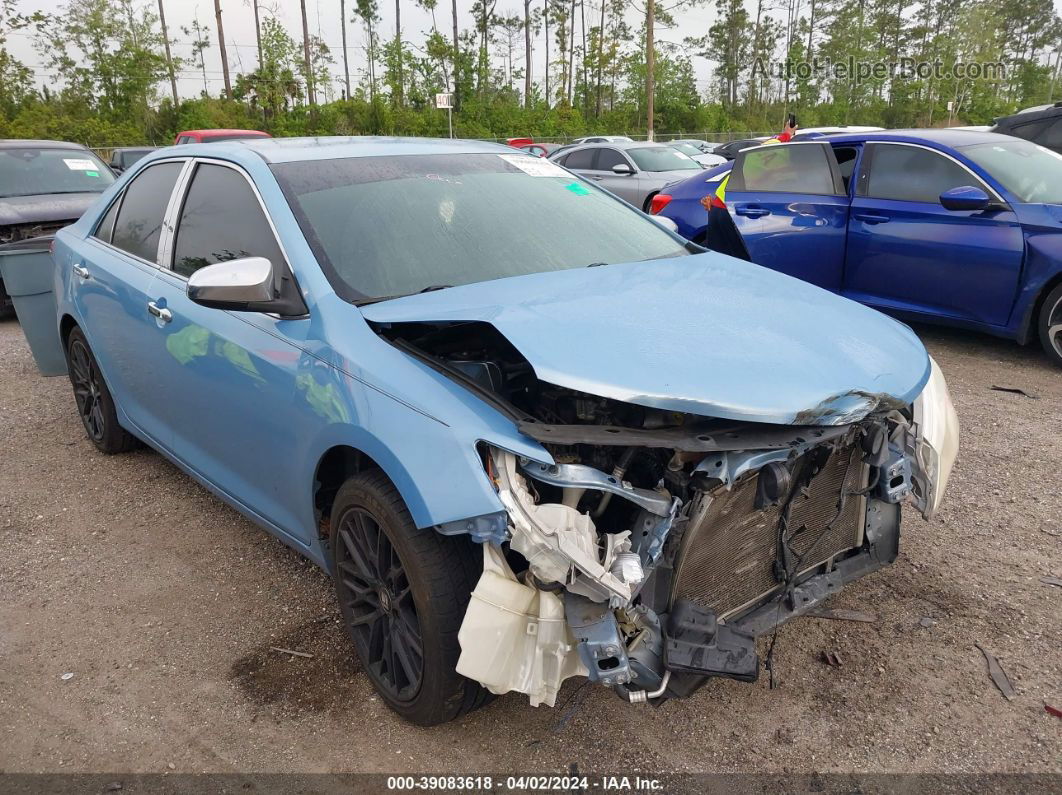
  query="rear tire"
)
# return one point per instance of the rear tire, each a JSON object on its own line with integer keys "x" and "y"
{"x": 402, "y": 593}
{"x": 1049, "y": 325}
{"x": 94, "y": 403}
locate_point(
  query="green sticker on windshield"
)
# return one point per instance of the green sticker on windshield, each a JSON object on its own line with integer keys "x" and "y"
{"x": 93, "y": 173}
{"x": 577, "y": 189}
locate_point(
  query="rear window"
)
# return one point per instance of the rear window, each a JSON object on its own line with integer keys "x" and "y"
{"x": 662, "y": 158}
{"x": 387, "y": 226}
{"x": 28, "y": 171}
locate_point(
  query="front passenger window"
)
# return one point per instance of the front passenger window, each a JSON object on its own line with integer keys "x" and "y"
{"x": 221, "y": 220}
{"x": 914, "y": 174}
{"x": 607, "y": 158}
{"x": 139, "y": 223}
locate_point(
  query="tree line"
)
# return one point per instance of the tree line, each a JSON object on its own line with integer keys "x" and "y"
{"x": 549, "y": 68}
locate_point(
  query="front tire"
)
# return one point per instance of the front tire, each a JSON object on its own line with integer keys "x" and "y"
{"x": 1049, "y": 325}
{"x": 94, "y": 403}
{"x": 402, "y": 593}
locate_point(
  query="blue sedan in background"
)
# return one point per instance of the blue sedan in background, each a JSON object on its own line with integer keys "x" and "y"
{"x": 949, "y": 226}
{"x": 431, "y": 366}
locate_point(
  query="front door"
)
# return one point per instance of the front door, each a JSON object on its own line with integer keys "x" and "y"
{"x": 907, "y": 253}
{"x": 789, "y": 203}
{"x": 230, "y": 376}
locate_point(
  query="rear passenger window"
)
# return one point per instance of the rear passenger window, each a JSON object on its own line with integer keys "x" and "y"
{"x": 221, "y": 220}
{"x": 913, "y": 174}
{"x": 139, "y": 221}
{"x": 796, "y": 168}
{"x": 106, "y": 226}
{"x": 581, "y": 158}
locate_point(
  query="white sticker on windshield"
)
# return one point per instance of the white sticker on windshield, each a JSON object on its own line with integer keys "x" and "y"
{"x": 79, "y": 165}
{"x": 535, "y": 166}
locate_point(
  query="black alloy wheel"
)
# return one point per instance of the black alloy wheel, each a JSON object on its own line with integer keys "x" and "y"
{"x": 95, "y": 406}
{"x": 379, "y": 604}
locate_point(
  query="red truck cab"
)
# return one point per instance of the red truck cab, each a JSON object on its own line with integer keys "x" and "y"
{"x": 205, "y": 136}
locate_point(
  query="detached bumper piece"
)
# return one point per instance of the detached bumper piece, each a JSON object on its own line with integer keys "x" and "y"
{"x": 697, "y": 643}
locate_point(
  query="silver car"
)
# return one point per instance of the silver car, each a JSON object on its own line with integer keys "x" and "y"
{"x": 633, "y": 171}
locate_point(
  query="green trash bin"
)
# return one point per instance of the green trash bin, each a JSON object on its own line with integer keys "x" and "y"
{"x": 29, "y": 278}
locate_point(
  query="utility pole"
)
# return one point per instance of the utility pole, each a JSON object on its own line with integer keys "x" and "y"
{"x": 343, "y": 28}
{"x": 169, "y": 60}
{"x": 650, "y": 63}
{"x": 457, "y": 51}
{"x": 221, "y": 44}
{"x": 306, "y": 55}
{"x": 257, "y": 32}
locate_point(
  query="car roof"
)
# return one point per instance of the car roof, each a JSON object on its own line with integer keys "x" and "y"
{"x": 288, "y": 150}
{"x": 1031, "y": 114}
{"x": 941, "y": 137}
{"x": 222, "y": 132}
{"x": 32, "y": 143}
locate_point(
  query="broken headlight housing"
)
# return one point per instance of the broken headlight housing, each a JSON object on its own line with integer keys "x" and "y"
{"x": 937, "y": 441}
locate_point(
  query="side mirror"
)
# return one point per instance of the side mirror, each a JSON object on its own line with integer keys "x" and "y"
{"x": 964, "y": 198}
{"x": 665, "y": 222}
{"x": 622, "y": 169}
{"x": 239, "y": 284}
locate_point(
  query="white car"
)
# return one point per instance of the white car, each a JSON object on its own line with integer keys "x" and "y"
{"x": 706, "y": 159}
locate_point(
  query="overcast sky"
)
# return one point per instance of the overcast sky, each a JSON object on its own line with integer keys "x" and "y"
{"x": 324, "y": 15}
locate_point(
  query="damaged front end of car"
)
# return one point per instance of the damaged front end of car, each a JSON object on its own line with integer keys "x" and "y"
{"x": 654, "y": 546}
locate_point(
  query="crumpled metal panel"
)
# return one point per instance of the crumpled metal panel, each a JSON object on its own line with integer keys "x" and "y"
{"x": 704, "y": 334}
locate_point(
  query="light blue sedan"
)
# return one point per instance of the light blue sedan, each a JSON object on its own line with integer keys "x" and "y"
{"x": 531, "y": 433}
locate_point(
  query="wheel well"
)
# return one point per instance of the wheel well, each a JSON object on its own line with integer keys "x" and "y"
{"x": 66, "y": 325}
{"x": 1031, "y": 333}
{"x": 335, "y": 468}
{"x": 649, "y": 201}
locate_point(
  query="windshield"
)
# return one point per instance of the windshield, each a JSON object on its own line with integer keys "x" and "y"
{"x": 1030, "y": 172}
{"x": 388, "y": 226}
{"x": 662, "y": 158}
{"x": 27, "y": 171}
{"x": 688, "y": 149}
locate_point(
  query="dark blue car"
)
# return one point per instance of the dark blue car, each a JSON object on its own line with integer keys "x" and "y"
{"x": 950, "y": 226}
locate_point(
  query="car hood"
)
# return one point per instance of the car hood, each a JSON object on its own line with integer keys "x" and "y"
{"x": 44, "y": 208}
{"x": 704, "y": 334}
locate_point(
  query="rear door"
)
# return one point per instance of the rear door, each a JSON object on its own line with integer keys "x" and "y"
{"x": 114, "y": 270}
{"x": 789, "y": 203}
{"x": 906, "y": 252}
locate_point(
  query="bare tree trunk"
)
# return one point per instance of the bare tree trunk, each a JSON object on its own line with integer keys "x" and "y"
{"x": 600, "y": 57}
{"x": 221, "y": 45}
{"x": 398, "y": 49}
{"x": 527, "y": 53}
{"x": 650, "y": 64}
{"x": 306, "y": 54}
{"x": 169, "y": 60}
{"x": 571, "y": 54}
{"x": 343, "y": 33}
{"x": 582, "y": 24}
{"x": 545, "y": 16}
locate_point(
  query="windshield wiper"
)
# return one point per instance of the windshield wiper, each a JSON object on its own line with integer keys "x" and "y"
{"x": 596, "y": 264}
{"x": 378, "y": 299}
{"x": 433, "y": 287}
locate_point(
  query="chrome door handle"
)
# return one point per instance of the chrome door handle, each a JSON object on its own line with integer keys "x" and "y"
{"x": 162, "y": 314}
{"x": 82, "y": 271}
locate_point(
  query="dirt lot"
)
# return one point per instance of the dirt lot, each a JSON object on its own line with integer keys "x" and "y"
{"x": 164, "y": 604}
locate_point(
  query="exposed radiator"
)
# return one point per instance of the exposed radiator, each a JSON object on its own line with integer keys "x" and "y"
{"x": 726, "y": 561}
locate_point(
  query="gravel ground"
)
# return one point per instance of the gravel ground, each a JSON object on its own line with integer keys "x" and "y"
{"x": 137, "y": 616}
